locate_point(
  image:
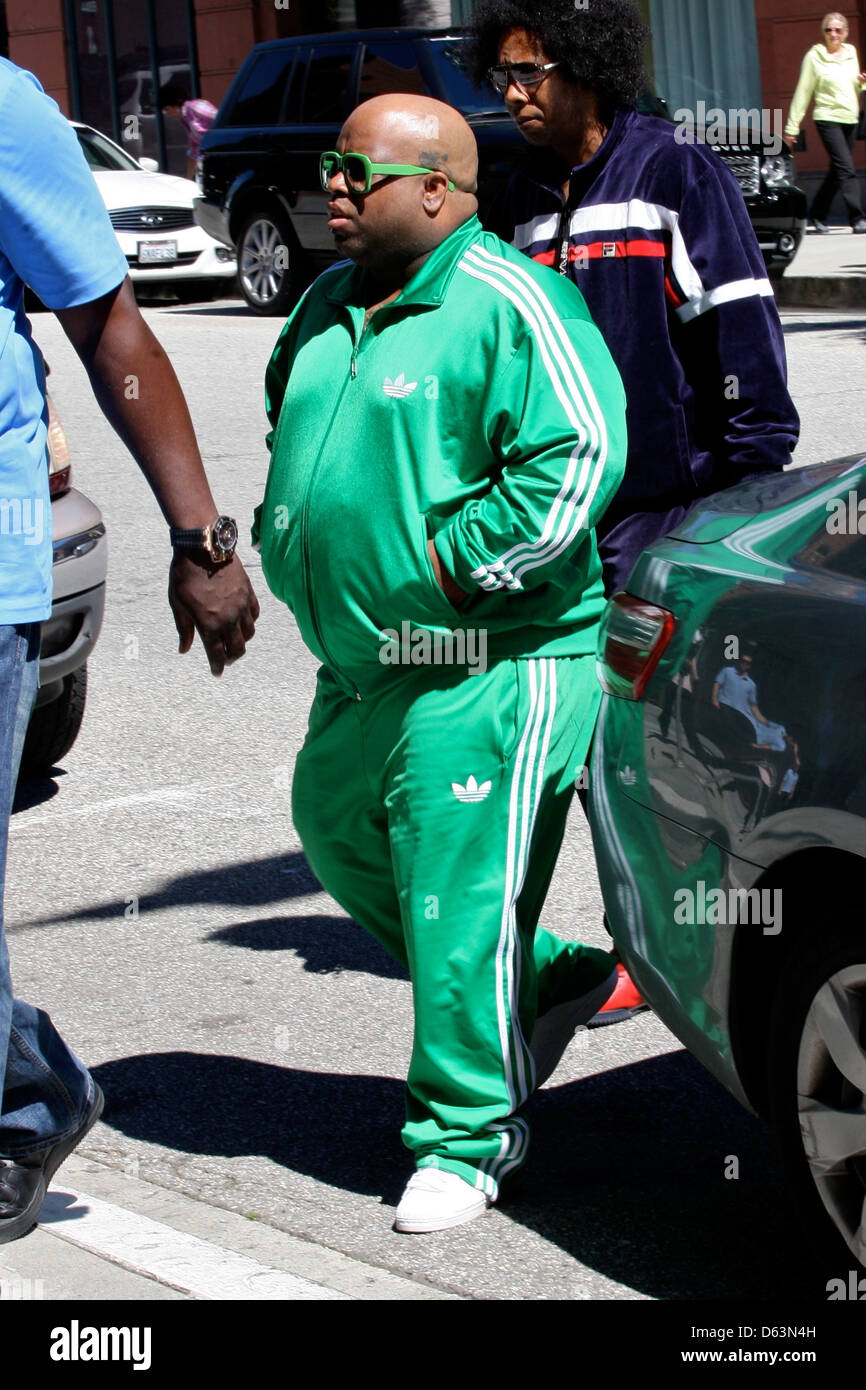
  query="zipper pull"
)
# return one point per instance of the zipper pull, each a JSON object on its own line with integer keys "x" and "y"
{"x": 354, "y": 368}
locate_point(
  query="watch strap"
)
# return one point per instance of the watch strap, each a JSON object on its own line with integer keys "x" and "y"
{"x": 190, "y": 539}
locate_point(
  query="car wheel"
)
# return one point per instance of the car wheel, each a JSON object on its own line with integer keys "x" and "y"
{"x": 53, "y": 728}
{"x": 818, "y": 1090}
{"x": 272, "y": 270}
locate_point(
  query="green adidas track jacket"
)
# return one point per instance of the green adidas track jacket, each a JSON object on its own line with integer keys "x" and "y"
{"x": 481, "y": 408}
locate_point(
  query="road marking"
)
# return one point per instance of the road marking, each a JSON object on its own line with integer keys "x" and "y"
{"x": 182, "y": 794}
{"x": 172, "y": 1257}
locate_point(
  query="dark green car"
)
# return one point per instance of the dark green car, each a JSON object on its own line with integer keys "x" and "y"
{"x": 728, "y": 810}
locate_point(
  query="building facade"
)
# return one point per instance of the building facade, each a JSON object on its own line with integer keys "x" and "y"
{"x": 104, "y": 60}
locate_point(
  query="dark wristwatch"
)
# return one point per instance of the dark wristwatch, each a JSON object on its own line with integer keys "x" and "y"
{"x": 219, "y": 539}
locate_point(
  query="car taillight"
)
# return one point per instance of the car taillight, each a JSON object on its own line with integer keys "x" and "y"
{"x": 633, "y": 636}
{"x": 59, "y": 460}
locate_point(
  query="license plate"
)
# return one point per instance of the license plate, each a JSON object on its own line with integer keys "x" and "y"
{"x": 151, "y": 252}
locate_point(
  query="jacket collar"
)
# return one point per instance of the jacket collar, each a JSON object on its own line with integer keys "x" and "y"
{"x": 430, "y": 282}
{"x": 548, "y": 170}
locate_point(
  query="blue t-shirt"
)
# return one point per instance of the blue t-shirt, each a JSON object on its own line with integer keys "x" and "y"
{"x": 55, "y": 235}
{"x": 738, "y": 691}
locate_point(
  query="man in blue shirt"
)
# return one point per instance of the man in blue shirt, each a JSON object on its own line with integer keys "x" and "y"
{"x": 55, "y": 236}
{"x": 734, "y": 687}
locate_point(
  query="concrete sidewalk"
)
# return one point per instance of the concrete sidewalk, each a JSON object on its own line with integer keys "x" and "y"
{"x": 828, "y": 272}
{"x": 106, "y": 1235}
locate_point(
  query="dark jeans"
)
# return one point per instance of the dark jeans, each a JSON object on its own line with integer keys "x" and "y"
{"x": 45, "y": 1092}
{"x": 839, "y": 143}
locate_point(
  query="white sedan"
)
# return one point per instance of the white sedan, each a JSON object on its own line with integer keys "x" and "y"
{"x": 151, "y": 214}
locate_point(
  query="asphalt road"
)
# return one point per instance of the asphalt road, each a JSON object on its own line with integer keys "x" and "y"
{"x": 250, "y": 1039}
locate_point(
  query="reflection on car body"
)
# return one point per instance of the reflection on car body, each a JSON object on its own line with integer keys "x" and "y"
{"x": 693, "y": 795}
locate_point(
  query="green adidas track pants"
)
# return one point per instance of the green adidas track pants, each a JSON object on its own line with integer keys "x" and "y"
{"x": 433, "y": 813}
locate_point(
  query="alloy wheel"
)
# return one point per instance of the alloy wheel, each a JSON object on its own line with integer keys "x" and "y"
{"x": 831, "y": 1101}
{"x": 263, "y": 262}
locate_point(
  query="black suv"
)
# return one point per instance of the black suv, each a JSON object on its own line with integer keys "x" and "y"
{"x": 259, "y": 168}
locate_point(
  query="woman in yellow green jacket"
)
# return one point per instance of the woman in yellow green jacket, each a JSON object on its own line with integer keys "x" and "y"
{"x": 831, "y": 74}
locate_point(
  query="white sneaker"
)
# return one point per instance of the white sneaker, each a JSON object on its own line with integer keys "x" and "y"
{"x": 436, "y": 1199}
{"x": 555, "y": 1029}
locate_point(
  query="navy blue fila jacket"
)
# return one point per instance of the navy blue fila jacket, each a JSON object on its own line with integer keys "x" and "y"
{"x": 657, "y": 236}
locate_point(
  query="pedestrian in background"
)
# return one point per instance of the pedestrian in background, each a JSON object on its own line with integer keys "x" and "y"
{"x": 831, "y": 75}
{"x": 55, "y": 236}
{"x": 197, "y": 115}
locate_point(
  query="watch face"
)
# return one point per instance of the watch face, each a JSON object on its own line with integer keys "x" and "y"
{"x": 225, "y": 534}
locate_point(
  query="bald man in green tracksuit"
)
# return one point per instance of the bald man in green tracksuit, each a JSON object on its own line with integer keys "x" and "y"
{"x": 448, "y": 426}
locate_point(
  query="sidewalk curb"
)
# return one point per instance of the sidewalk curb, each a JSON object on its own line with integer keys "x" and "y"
{"x": 226, "y": 1232}
{"x": 820, "y": 292}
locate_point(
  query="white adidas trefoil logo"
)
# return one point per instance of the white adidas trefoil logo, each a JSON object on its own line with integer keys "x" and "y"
{"x": 472, "y": 791}
{"x": 399, "y": 387}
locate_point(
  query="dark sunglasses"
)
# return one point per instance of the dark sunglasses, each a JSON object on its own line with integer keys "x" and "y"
{"x": 358, "y": 171}
{"x": 522, "y": 75}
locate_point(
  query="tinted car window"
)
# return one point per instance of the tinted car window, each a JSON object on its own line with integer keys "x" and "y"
{"x": 101, "y": 153}
{"x": 261, "y": 96}
{"x": 389, "y": 67}
{"x": 292, "y": 111}
{"x": 449, "y": 56}
{"x": 326, "y": 96}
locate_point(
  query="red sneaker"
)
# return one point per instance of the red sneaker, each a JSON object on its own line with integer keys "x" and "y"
{"x": 625, "y": 1002}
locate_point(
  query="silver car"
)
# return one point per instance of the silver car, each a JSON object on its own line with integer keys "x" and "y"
{"x": 69, "y": 635}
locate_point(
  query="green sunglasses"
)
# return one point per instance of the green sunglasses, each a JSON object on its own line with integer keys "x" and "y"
{"x": 358, "y": 171}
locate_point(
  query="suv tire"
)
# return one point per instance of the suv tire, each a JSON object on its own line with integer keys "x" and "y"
{"x": 270, "y": 282}
{"x": 53, "y": 728}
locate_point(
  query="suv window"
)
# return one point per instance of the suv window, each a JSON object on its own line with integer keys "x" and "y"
{"x": 327, "y": 94}
{"x": 260, "y": 98}
{"x": 449, "y": 56}
{"x": 389, "y": 67}
{"x": 292, "y": 112}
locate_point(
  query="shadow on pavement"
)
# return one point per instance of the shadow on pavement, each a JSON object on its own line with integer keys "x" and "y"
{"x": 326, "y": 944}
{"x": 253, "y": 883}
{"x": 218, "y": 310}
{"x": 35, "y": 791}
{"x": 821, "y": 325}
{"x": 626, "y": 1173}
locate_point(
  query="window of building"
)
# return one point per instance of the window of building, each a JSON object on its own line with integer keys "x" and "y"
{"x": 120, "y": 56}
{"x": 704, "y": 51}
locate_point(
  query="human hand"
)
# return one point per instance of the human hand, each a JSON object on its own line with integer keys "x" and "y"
{"x": 446, "y": 583}
{"x": 217, "y": 601}
{"x": 790, "y": 140}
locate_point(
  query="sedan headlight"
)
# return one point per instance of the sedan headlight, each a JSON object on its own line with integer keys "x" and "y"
{"x": 778, "y": 169}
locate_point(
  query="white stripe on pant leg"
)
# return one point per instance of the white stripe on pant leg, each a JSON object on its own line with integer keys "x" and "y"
{"x": 512, "y": 1149}
{"x": 530, "y": 812}
{"x": 510, "y": 857}
{"x": 542, "y": 675}
{"x": 518, "y": 1150}
{"x": 521, "y": 1050}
